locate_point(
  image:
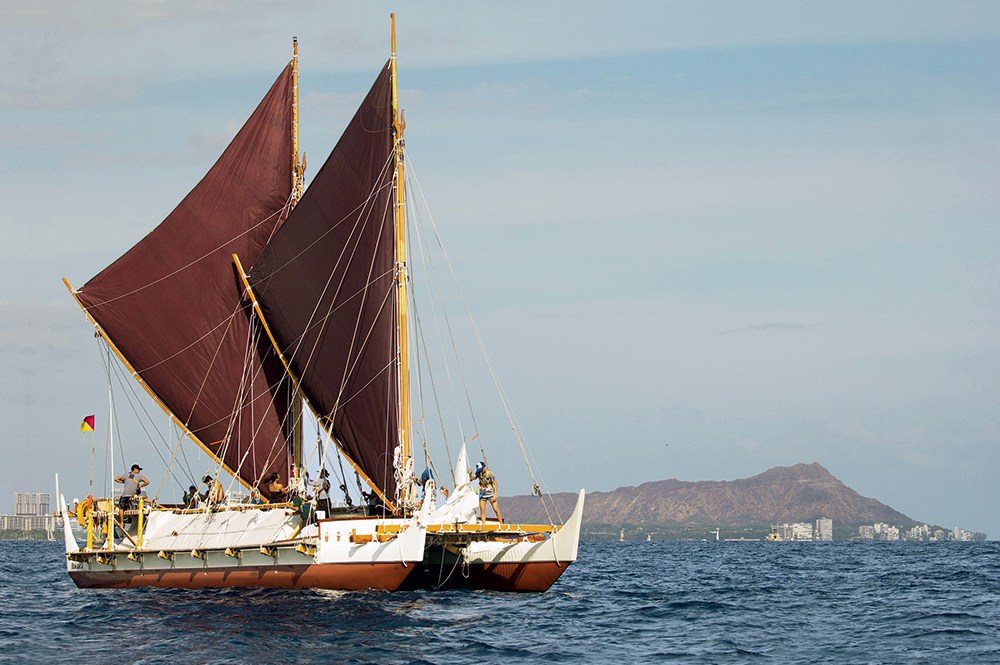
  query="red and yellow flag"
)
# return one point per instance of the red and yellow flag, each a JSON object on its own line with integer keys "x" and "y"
{"x": 87, "y": 425}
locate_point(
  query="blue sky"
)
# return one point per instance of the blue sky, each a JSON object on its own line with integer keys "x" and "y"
{"x": 762, "y": 233}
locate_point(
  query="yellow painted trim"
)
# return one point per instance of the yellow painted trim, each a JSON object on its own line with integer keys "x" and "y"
{"x": 492, "y": 527}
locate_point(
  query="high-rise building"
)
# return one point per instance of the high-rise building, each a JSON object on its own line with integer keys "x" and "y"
{"x": 824, "y": 529}
{"x": 32, "y": 504}
{"x": 31, "y": 513}
{"x": 802, "y": 531}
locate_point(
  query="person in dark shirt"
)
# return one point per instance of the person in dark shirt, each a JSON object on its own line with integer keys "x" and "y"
{"x": 277, "y": 491}
{"x": 191, "y": 497}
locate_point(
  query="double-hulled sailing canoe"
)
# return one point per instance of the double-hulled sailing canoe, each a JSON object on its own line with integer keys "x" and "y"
{"x": 255, "y": 300}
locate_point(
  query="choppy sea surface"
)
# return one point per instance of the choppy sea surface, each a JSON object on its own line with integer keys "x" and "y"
{"x": 632, "y": 602}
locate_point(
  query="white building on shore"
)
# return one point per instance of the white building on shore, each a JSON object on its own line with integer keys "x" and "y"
{"x": 31, "y": 513}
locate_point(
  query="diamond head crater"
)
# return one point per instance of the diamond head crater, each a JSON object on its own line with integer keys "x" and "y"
{"x": 748, "y": 508}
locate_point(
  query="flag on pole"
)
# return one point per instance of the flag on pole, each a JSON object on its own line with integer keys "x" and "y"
{"x": 87, "y": 425}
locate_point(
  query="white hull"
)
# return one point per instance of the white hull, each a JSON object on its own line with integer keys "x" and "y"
{"x": 268, "y": 548}
{"x": 498, "y": 559}
{"x": 253, "y": 547}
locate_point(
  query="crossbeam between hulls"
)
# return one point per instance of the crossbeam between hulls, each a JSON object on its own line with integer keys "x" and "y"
{"x": 323, "y": 420}
{"x": 145, "y": 386}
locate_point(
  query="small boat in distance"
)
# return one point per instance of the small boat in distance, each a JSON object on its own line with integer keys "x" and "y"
{"x": 258, "y": 302}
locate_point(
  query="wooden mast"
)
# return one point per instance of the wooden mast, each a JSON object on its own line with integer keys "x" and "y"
{"x": 295, "y": 413}
{"x": 298, "y": 167}
{"x": 398, "y": 125}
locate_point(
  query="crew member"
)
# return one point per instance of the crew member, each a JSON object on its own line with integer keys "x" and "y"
{"x": 487, "y": 490}
{"x": 427, "y": 486}
{"x": 214, "y": 494}
{"x": 132, "y": 482}
{"x": 278, "y": 492}
{"x": 191, "y": 497}
{"x": 321, "y": 489}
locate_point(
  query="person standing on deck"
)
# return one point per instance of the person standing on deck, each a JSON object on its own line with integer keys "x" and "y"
{"x": 321, "y": 488}
{"x": 132, "y": 482}
{"x": 487, "y": 491}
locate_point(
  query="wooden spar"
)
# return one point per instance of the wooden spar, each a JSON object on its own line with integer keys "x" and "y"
{"x": 297, "y": 166}
{"x": 135, "y": 375}
{"x": 295, "y": 435}
{"x": 398, "y": 125}
{"x": 298, "y": 390}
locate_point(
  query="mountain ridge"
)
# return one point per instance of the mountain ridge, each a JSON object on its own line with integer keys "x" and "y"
{"x": 783, "y": 494}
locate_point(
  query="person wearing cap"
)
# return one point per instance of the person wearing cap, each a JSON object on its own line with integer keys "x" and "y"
{"x": 191, "y": 497}
{"x": 214, "y": 494}
{"x": 321, "y": 489}
{"x": 132, "y": 482}
{"x": 487, "y": 490}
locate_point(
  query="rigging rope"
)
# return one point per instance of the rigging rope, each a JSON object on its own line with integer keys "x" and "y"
{"x": 418, "y": 335}
{"x": 444, "y": 354}
{"x": 362, "y": 219}
{"x": 125, "y": 385}
{"x": 496, "y": 379}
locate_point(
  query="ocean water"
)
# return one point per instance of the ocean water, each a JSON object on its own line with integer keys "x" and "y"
{"x": 633, "y": 602}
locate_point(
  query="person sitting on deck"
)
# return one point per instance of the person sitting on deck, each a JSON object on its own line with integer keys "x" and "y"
{"x": 191, "y": 497}
{"x": 214, "y": 494}
{"x": 278, "y": 492}
{"x": 487, "y": 490}
{"x": 132, "y": 482}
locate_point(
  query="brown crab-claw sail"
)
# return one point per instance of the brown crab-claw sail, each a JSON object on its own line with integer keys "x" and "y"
{"x": 172, "y": 304}
{"x": 325, "y": 285}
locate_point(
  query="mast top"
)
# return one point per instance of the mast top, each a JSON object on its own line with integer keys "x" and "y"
{"x": 392, "y": 60}
{"x": 298, "y": 165}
